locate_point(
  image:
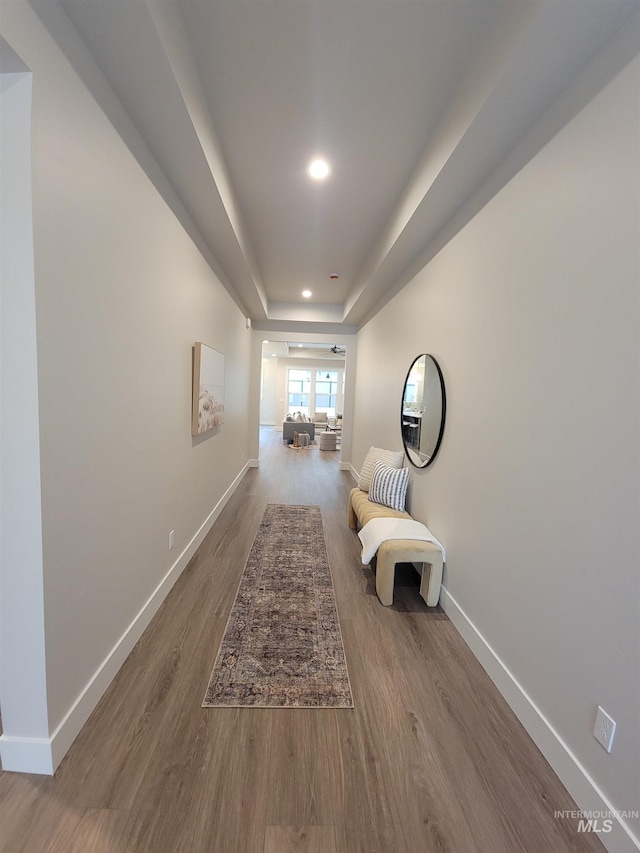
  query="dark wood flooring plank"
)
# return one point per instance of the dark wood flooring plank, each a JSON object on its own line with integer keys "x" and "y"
{"x": 300, "y": 839}
{"x": 229, "y": 802}
{"x": 22, "y": 798}
{"x": 306, "y": 767}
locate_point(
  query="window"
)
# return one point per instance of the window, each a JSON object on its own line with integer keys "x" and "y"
{"x": 314, "y": 390}
{"x": 299, "y": 391}
{"x": 410, "y": 391}
{"x": 326, "y": 391}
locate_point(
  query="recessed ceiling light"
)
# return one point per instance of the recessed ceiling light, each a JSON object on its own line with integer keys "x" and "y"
{"x": 318, "y": 169}
{"x": 300, "y": 345}
{"x": 306, "y": 293}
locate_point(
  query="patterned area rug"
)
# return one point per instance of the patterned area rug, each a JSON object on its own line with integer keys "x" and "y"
{"x": 282, "y": 646}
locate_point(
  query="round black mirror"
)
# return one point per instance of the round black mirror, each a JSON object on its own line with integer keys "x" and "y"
{"x": 423, "y": 411}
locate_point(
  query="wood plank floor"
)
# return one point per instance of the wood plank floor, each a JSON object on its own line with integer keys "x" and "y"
{"x": 430, "y": 759}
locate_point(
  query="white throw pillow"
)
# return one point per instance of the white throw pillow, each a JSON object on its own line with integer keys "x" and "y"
{"x": 392, "y": 458}
{"x": 389, "y": 486}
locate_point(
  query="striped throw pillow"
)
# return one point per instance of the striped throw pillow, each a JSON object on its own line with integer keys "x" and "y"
{"x": 389, "y": 486}
{"x": 392, "y": 458}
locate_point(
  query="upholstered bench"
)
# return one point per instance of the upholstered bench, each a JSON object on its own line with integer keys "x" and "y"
{"x": 392, "y": 551}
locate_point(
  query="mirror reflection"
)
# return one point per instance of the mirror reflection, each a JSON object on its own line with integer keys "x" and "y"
{"x": 423, "y": 411}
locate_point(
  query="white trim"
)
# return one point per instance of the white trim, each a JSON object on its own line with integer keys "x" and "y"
{"x": 565, "y": 764}
{"x": 28, "y": 755}
{"x": 253, "y": 463}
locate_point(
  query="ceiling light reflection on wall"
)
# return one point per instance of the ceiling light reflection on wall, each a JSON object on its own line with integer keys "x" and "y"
{"x": 318, "y": 169}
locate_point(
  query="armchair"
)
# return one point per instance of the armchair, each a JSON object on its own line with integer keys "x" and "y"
{"x": 321, "y": 420}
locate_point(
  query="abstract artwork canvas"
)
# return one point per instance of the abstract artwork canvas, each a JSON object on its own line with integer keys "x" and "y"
{"x": 208, "y": 389}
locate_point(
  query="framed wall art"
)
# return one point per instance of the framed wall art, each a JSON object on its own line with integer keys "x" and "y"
{"x": 208, "y": 389}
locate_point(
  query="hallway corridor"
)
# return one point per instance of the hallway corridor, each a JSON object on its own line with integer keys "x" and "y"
{"x": 430, "y": 758}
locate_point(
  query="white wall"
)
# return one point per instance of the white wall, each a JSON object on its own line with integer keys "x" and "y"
{"x": 121, "y": 296}
{"x": 23, "y": 665}
{"x": 533, "y": 314}
{"x": 268, "y": 393}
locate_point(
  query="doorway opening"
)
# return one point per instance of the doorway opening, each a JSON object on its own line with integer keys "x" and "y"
{"x": 302, "y": 378}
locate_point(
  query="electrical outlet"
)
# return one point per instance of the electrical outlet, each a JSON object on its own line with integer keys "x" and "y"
{"x": 172, "y": 535}
{"x": 605, "y": 729}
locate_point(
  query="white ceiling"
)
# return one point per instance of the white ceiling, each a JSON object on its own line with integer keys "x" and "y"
{"x": 325, "y": 351}
{"x": 415, "y": 103}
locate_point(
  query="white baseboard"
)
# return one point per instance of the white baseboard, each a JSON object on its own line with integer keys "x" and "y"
{"x": 26, "y": 755}
{"x": 30, "y": 755}
{"x": 254, "y": 463}
{"x": 588, "y": 797}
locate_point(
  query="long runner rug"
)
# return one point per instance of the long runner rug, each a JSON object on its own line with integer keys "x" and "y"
{"x": 282, "y": 646}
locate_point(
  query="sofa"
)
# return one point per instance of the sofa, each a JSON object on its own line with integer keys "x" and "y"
{"x": 289, "y": 427}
